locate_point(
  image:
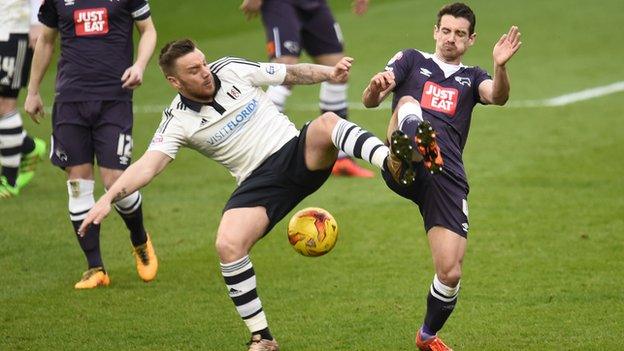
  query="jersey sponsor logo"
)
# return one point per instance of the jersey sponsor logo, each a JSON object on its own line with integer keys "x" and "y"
{"x": 463, "y": 81}
{"x": 425, "y": 72}
{"x": 91, "y": 21}
{"x": 438, "y": 98}
{"x": 234, "y": 125}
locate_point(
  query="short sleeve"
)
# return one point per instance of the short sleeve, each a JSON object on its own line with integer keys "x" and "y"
{"x": 480, "y": 76}
{"x": 48, "y": 15}
{"x": 139, "y": 9}
{"x": 399, "y": 65}
{"x": 169, "y": 137}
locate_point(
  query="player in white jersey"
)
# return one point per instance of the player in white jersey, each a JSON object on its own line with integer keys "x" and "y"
{"x": 222, "y": 112}
{"x": 19, "y": 152}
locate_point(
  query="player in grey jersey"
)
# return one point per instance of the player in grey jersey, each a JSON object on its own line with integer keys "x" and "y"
{"x": 222, "y": 112}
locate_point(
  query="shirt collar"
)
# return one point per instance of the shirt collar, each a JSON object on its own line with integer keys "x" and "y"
{"x": 196, "y": 105}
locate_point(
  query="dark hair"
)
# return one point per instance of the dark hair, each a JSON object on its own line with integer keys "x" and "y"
{"x": 457, "y": 10}
{"x": 172, "y": 51}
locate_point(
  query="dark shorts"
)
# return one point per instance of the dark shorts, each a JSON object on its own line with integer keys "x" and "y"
{"x": 290, "y": 28}
{"x": 280, "y": 183}
{"x": 82, "y": 131}
{"x": 15, "y": 59}
{"x": 442, "y": 200}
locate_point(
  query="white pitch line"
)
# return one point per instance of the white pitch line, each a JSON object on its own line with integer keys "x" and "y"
{"x": 571, "y": 98}
{"x": 561, "y": 100}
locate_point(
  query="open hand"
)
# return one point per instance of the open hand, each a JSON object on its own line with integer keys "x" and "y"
{"x": 506, "y": 46}
{"x": 97, "y": 213}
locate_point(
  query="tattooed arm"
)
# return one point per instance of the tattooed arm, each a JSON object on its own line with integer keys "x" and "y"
{"x": 138, "y": 175}
{"x": 305, "y": 73}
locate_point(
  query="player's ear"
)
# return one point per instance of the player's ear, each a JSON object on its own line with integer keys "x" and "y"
{"x": 471, "y": 39}
{"x": 435, "y": 30}
{"x": 174, "y": 82}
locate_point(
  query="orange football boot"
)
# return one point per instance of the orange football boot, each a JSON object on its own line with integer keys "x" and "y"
{"x": 432, "y": 344}
{"x": 93, "y": 278}
{"x": 146, "y": 260}
{"x": 427, "y": 146}
{"x": 348, "y": 168}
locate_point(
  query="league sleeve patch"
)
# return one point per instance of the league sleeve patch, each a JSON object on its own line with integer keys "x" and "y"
{"x": 438, "y": 98}
{"x": 396, "y": 57}
{"x": 90, "y": 22}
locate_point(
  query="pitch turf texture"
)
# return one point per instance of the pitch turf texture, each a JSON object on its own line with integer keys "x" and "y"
{"x": 543, "y": 270}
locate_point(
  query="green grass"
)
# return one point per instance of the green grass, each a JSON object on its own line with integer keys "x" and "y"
{"x": 544, "y": 264}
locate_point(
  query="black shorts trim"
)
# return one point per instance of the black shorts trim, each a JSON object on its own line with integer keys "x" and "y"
{"x": 280, "y": 182}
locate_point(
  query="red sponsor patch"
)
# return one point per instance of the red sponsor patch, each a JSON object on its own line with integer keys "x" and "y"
{"x": 91, "y": 21}
{"x": 438, "y": 98}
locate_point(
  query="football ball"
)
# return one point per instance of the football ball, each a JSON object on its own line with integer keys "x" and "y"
{"x": 312, "y": 231}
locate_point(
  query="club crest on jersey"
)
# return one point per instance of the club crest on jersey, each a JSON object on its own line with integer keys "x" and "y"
{"x": 463, "y": 81}
{"x": 91, "y": 21}
{"x": 234, "y": 93}
{"x": 438, "y": 98}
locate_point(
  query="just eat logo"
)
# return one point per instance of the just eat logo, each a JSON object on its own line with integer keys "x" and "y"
{"x": 438, "y": 98}
{"x": 91, "y": 21}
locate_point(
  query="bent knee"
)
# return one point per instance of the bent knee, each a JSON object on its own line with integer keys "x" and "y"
{"x": 324, "y": 123}
{"x": 450, "y": 277}
{"x": 228, "y": 249}
{"x": 407, "y": 98}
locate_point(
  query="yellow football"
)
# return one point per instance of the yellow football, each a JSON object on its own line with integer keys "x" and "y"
{"x": 312, "y": 231}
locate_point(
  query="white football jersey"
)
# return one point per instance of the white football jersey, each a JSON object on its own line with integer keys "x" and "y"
{"x": 16, "y": 16}
{"x": 240, "y": 129}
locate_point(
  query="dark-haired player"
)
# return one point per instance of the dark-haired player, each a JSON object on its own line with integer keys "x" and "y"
{"x": 92, "y": 114}
{"x": 434, "y": 95}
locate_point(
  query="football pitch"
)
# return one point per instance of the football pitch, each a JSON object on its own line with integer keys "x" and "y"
{"x": 544, "y": 268}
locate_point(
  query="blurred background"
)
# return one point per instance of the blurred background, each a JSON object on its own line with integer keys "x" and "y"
{"x": 546, "y": 245}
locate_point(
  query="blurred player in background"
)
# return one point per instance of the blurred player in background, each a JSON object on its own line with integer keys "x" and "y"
{"x": 92, "y": 113}
{"x": 222, "y": 112}
{"x": 434, "y": 95}
{"x": 295, "y": 25}
{"x": 19, "y": 152}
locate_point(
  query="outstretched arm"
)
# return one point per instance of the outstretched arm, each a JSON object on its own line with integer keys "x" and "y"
{"x": 497, "y": 91}
{"x": 307, "y": 73}
{"x": 138, "y": 175}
